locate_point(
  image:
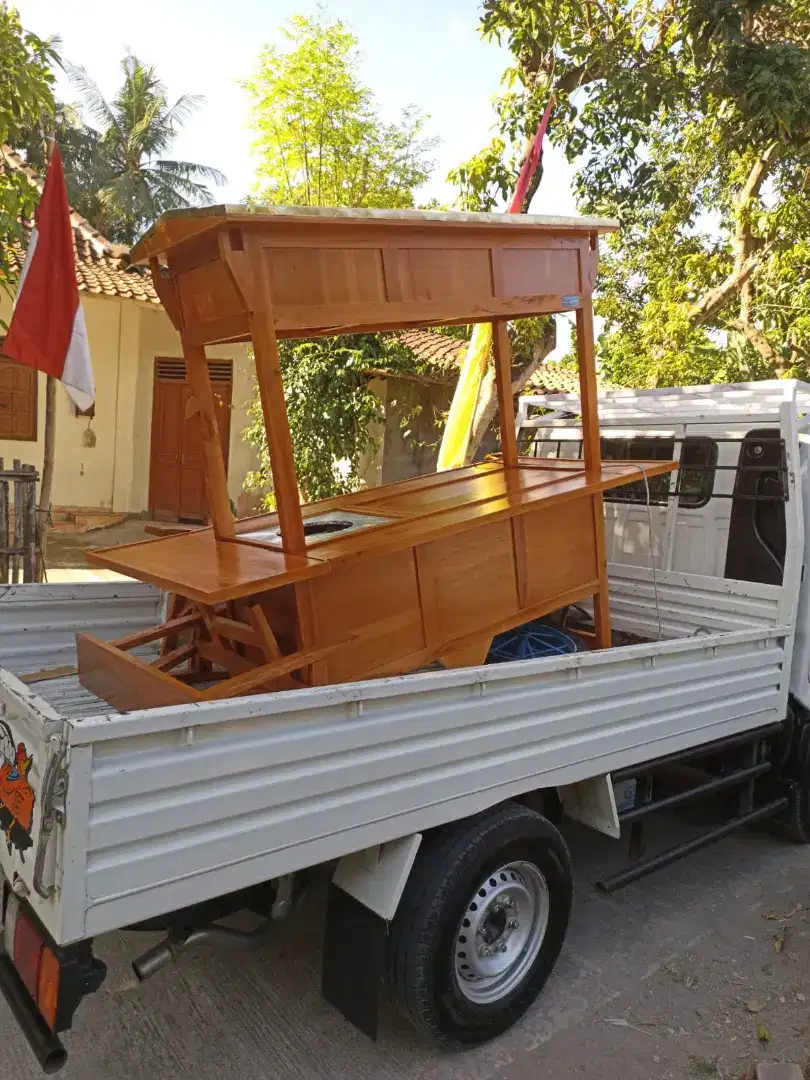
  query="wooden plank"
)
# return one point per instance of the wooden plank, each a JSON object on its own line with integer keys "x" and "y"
{"x": 48, "y": 673}
{"x": 205, "y": 569}
{"x": 167, "y": 292}
{"x": 591, "y": 453}
{"x": 126, "y": 682}
{"x": 234, "y": 630}
{"x": 171, "y": 659}
{"x": 374, "y": 600}
{"x": 474, "y": 578}
{"x": 560, "y": 550}
{"x": 261, "y": 627}
{"x": 324, "y": 320}
{"x": 143, "y": 637}
{"x": 233, "y": 663}
{"x": 216, "y": 477}
{"x": 407, "y": 230}
{"x": 421, "y": 657}
{"x": 274, "y": 409}
{"x": 176, "y": 607}
{"x": 601, "y": 598}
{"x": 259, "y": 676}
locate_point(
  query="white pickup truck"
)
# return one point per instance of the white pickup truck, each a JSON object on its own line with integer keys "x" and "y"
{"x": 431, "y": 800}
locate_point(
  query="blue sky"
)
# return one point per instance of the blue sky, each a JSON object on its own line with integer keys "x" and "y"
{"x": 423, "y": 52}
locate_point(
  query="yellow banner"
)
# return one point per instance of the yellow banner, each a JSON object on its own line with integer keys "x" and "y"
{"x": 456, "y": 438}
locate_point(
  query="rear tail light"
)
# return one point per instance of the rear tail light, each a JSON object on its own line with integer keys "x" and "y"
{"x": 35, "y": 961}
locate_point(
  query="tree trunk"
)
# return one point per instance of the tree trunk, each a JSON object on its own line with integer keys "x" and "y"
{"x": 46, "y": 481}
{"x": 488, "y": 398}
{"x": 747, "y": 257}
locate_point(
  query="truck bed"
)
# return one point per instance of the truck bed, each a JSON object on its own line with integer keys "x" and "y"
{"x": 166, "y": 807}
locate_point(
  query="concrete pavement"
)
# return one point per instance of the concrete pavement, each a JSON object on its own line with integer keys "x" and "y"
{"x": 669, "y": 979}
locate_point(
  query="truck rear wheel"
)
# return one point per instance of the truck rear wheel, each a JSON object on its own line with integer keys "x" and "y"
{"x": 481, "y": 924}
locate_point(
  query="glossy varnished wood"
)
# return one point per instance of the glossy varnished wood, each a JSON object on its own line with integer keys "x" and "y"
{"x": 460, "y": 556}
{"x": 125, "y": 681}
{"x": 205, "y": 569}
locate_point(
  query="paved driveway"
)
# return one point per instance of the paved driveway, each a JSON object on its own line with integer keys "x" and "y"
{"x": 668, "y": 979}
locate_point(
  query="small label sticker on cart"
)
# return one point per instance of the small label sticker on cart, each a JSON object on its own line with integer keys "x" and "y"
{"x": 569, "y": 301}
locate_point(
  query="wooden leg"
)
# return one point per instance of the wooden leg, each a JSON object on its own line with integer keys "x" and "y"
{"x": 216, "y": 478}
{"x": 601, "y": 600}
{"x": 274, "y": 409}
{"x": 601, "y": 617}
{"x": 591, "y": 450}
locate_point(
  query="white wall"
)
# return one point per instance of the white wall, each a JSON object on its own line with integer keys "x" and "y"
{"x": 125, "y": 337}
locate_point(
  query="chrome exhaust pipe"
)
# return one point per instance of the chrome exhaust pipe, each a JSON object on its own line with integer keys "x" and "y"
{"x": 150, "y": 962}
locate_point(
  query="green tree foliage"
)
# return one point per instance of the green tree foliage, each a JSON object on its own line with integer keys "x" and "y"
{"x": 331, "y": 409}
{"x": 116, "y": 171}
{"x": 690, "y": 122}
{"x": 26, "y": 100}
{"x": 320, "y": 140}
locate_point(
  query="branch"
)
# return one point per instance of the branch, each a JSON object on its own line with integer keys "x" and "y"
{"x": 763, "y": 346}
{"x": 759, "y": 170}
{"x": 746, "y": 257}
{"x": 579, "y": 76}
{"x": 715, "y": 298}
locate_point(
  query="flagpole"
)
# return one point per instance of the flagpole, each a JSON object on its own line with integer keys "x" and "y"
{"x": 49, "y": 438}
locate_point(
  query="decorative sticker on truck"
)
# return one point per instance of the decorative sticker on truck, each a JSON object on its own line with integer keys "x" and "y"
{"x": 17, "y": 797}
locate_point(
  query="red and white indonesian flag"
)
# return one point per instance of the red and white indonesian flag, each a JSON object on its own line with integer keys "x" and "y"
{"x": 47, "y": 328}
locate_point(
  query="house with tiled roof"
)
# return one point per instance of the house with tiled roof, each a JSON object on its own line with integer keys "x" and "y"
{"x": 415, "y": 406}
{"x": 138, "y": 453}
{"x": 441, "y": 357}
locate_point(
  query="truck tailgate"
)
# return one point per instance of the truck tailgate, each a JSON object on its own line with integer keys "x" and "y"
{"x": 33, "y": 751}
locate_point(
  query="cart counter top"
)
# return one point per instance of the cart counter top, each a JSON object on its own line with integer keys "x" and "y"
{"x": 391, "y": 518}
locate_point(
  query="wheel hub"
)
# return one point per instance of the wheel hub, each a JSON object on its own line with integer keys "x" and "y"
{"x": 501, "y": 932}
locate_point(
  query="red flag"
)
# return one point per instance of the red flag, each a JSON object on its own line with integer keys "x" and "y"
{"x": 530, "y": 163}
{"x": 47, "y": 328}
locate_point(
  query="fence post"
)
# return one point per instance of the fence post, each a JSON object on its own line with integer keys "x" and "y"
{"x": 17, "y": 541}
{"x": 30, "y": 527}
{"x": 4, "y": 537}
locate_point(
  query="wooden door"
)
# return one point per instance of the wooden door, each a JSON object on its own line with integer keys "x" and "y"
{"x": 176, "y": 473}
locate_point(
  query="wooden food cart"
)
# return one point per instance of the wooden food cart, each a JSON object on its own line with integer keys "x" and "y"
{"x": 388, "y": 579}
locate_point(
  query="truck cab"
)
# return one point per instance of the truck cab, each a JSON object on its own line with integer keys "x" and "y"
{"x": 733, "y": 513}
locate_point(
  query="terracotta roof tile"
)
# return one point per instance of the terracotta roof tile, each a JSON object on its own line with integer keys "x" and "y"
{"x": 442, "y": 357}
{"x": 101, "y": 267}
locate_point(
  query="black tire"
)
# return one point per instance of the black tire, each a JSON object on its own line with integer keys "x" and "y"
{"x": 422, "y": 948}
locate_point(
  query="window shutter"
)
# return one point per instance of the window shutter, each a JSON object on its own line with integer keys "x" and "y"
{"x": 18, "y": 401}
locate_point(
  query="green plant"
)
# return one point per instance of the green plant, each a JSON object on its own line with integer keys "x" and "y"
{"x": 319, "y": 137}
{"x": 26, "y": 101}
{"x": 330, "y": 408}
{"x": 321, "y": 142}
{"x": 690, "y": 122}
{"x": 118, "y": 175}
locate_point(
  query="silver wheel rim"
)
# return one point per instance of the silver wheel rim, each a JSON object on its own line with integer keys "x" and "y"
{"x": 501, "y": 932}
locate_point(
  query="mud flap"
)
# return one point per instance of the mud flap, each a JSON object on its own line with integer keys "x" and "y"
{"x": 354, "y": 949}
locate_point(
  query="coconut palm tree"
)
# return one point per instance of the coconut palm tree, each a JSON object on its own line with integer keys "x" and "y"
{"x": 133, "y": 182}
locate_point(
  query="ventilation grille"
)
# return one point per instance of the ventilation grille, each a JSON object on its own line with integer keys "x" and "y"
{"x": 170, "y": 370}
